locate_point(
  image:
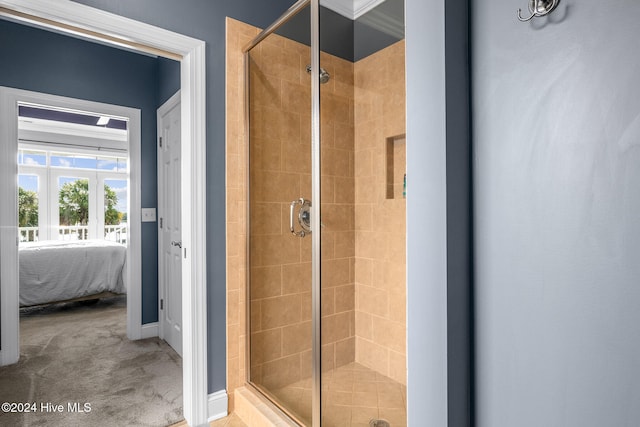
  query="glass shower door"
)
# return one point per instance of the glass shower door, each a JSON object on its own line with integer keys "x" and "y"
{"x": 280, "y": 329}
{"x": 363, "y": 256}
{"x": 327, "y": 188}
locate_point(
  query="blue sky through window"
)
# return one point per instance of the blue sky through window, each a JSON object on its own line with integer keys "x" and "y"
{"x": 32, "y": 158}
{"x": 64, "y": 179}
{"x": 28, "y": 182}
{"x": 74, "y": 161}
{"x": 120, "y": 187}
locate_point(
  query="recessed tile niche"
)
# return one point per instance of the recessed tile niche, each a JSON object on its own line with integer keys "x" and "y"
{"x": 396, "y": 161}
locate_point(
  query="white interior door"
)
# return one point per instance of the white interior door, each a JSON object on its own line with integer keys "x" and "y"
{"x": 170, "y": 233}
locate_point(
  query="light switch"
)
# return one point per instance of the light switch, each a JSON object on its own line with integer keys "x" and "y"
{"x": 148, "y": 214}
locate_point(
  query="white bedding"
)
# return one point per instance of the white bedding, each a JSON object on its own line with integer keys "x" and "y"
{"x": 60, "y": 270}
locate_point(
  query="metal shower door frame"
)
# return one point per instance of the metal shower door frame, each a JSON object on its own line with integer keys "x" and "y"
{"x": 316, "y": 348}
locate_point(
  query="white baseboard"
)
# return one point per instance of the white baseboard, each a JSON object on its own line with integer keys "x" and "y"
{"x": 218, "y": 405}
{"x": 149, "y": 330}
{"x": 9, "y": 357}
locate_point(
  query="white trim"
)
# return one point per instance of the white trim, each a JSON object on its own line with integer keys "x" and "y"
{"x": 149, "y": 330}
{"x": 193, "y": 94}
{"x": 218, "y": 405}
{"x": 194, "y": 196}
{"x": 48, "y": 131}
{"x": 9, "y": 295}
{"x": 70, "y": 149}
{"x": 360, "y": 7}
{"x": 9, "y": 298}
{"x": 344, "y": 8}
{"x": 352, "y": 9}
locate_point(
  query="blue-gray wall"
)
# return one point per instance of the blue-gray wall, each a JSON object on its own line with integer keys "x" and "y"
{"x": 205, "y": 20}
{"x": 380, "y": 27}
{"x": 168, "y": 79}
{"x": 42, "y": 61}
{"x": 459, "y": 216}
{"x": 336, "y": 31}
{"x": 556, "y": 116}
{"x": 351, "y": 40}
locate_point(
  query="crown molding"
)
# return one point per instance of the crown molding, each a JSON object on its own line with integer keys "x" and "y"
{"x": 360, "y": 7}
{"x": 385, "y": 23}
{"x": 352, "y": 9}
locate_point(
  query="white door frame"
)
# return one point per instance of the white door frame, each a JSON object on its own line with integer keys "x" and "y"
{"x": 74, "y": 18}
{"x": 9, "y": 296}
{"x": 162, "y": 279}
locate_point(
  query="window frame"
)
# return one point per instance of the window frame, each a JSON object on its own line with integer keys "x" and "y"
{"x": 48, "y": 185}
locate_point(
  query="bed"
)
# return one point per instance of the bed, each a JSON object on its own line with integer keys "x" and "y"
{"x": 55, "y": 271}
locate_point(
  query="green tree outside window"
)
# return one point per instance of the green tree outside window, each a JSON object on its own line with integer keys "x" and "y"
{"x": 27, "y": 208}
{"x": 74, "y": 204}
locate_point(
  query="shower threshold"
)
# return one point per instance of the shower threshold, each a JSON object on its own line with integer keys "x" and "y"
{"x": 352, "y": 395}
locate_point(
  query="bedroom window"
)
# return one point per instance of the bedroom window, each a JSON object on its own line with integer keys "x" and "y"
{"x": 115, "y": 210}
{"x": 28, "y": 202}
{"x": 72, "y": 196}
{"x": 74, "y": 202}
{"x": 73, "y": 175}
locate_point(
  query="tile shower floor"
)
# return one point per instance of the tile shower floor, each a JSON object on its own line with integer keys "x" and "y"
{"x": 352, "y": 395}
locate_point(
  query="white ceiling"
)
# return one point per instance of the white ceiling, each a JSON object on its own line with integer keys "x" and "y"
{"x": 352, "y": 9}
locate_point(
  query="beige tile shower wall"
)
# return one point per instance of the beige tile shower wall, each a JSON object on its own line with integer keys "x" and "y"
{"x": 380, "y": 237}
{"x": 338, "y": 213}
{"x": 238, "y": 35}
{"x": 280, "y": 161}
{"x": 281, "y": 172}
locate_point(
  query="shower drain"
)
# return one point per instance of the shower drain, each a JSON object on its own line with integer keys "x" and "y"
{"x": 379, "y": 423}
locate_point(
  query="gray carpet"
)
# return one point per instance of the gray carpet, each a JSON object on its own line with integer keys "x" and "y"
{"x": 79, "y": 353}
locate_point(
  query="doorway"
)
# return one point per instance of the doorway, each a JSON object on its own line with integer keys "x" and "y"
{"x": 69, "y": 17}
{"x": 11, "y": 100}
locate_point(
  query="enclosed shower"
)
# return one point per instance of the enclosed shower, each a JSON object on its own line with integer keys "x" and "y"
{"x": 325, "y": 220}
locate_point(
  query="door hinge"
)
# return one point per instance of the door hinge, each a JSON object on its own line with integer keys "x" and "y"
{"x": 161, "y": 304}
{"x": 160, "y": 141}
{"x": 160, "y": 222}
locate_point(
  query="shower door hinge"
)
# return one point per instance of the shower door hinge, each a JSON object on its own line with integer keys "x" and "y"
{"x": 160, "y": 141}
{"x": 161, "y": 304}
{"x": 160, "y": 222}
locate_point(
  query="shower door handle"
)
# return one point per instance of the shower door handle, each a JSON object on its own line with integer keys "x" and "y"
{"x": 304, "y": 217}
